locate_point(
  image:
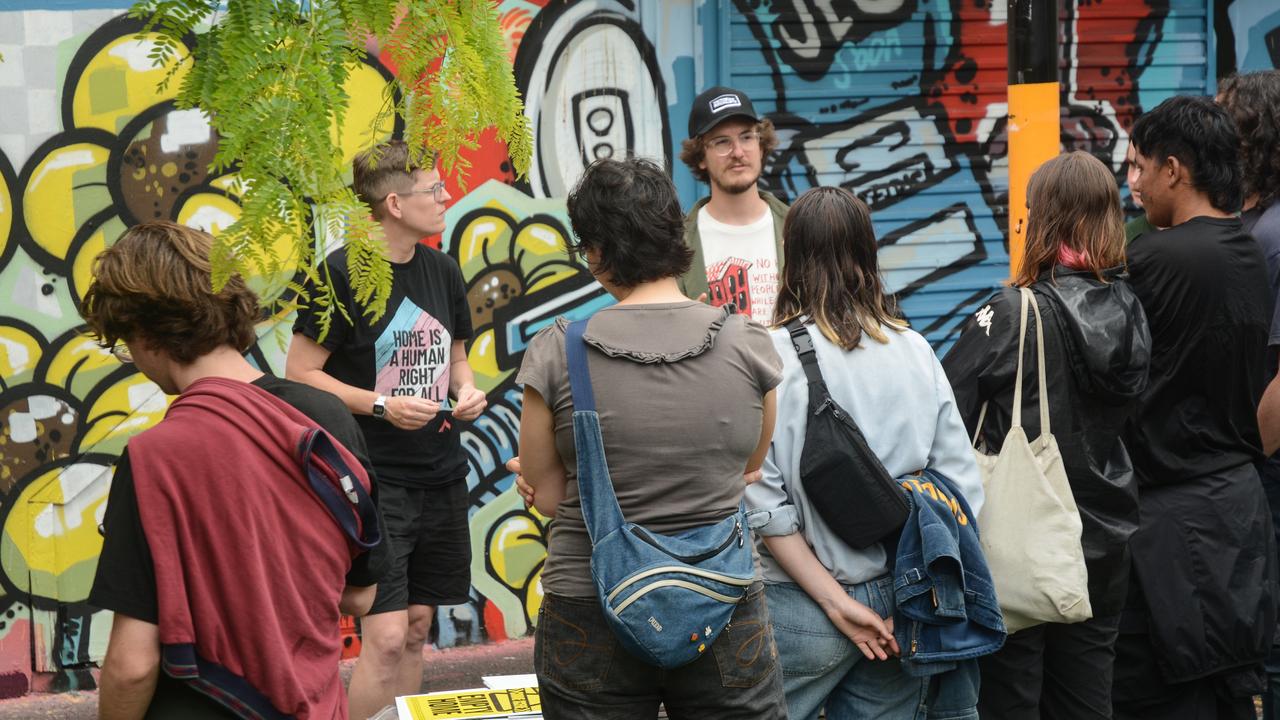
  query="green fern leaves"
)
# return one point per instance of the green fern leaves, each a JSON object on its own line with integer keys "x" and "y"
{"x": 270, "y": 76}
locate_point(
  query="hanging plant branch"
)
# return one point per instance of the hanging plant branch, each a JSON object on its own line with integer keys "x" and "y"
{"x": 270, "y": 76}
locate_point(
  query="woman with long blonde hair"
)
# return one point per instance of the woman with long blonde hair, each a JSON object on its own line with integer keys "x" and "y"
{"x": 1097, "y": 349}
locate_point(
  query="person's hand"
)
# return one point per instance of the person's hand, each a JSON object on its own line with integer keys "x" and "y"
{"x": 872, "y": 634}
{"x": 408, "y": 412}
{"x": 522, "y": 486}
{"x": 752, "y": 476}
{"x": 702, "y": 298}
{"x": 471, "y": 402}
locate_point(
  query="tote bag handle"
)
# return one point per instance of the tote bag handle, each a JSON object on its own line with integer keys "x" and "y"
{"x": 1027, "y": 298}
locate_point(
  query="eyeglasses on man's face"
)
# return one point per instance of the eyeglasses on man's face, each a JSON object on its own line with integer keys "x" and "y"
{"x": 435, "y": 189}
{"x": 723, "y": 145}
{"x": 121, "y": 352}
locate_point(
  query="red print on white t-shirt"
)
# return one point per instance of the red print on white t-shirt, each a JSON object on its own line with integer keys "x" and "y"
{"x": 729, "y": 281}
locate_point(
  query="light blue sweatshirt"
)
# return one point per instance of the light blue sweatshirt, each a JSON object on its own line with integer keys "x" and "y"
{"x": 899, "y": 396}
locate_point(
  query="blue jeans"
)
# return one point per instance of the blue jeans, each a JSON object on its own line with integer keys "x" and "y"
{"x": 822, "y": 667}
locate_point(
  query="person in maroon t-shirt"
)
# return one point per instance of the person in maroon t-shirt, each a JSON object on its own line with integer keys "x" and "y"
{"x": 192, "y": 541}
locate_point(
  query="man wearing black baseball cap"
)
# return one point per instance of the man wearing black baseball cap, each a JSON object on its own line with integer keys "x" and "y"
{"x": 736, "y": 234}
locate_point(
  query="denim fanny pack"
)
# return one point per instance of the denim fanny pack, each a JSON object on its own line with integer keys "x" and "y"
{"x": 667, "y": 597}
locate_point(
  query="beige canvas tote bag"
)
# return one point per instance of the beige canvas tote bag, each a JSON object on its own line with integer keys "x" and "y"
{"x": 1029, "y": 524}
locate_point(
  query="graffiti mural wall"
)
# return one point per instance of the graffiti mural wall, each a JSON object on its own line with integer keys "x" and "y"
{"x": 902, "y": 101}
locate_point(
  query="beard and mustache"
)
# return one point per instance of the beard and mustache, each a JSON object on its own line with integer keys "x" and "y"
{"x": 735, "y": 186}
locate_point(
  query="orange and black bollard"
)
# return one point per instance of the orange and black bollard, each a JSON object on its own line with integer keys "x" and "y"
{"x": 1034, "y": 116}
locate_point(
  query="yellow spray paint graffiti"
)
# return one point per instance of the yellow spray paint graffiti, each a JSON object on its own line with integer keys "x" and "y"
{"x": 125, "y": 154}
{"x": 119, "y": 152}
{"x": 67, "y": 408}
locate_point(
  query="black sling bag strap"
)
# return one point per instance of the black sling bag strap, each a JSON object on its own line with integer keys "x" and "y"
{"x": 845, "y": 481}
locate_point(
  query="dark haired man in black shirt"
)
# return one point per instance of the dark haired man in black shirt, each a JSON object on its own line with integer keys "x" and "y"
{"x": 1201, "y": 604}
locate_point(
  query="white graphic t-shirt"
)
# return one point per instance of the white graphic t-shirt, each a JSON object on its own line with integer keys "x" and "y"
{"x": 742, "y": 264}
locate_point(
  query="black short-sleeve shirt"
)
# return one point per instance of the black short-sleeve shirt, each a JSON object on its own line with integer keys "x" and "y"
{"x": 1204, "y": 287}
{"x": 405, "y": 352}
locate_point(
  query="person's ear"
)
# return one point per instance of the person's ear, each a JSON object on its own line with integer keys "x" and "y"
{"x": 1175, "y": 172}
{"x": 393, "y": 208}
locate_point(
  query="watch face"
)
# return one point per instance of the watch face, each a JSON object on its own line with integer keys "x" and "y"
{"x": 379, "y": 407}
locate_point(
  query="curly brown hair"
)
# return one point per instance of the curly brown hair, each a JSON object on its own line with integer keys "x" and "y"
{"x": 1253, "y": 101}
{"x": 154, "y": 284}
{"x": 627, "y": 211}
{"x": 693, "y": 152}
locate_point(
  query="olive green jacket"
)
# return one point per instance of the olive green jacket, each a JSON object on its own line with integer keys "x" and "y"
{"x": 694, "y": 282}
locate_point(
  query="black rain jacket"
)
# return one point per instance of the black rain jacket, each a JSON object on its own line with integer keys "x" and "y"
{"x": 1097, "y": 350}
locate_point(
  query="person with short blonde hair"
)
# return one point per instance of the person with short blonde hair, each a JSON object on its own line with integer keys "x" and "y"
{"x": 397, "y": 374}
{"x": 381, "y": 171}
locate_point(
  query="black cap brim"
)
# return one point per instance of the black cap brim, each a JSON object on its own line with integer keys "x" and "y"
{"x": 710, "y": 124}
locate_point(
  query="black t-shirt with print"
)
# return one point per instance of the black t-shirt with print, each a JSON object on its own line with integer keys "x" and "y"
{"x": 406, "y": 352}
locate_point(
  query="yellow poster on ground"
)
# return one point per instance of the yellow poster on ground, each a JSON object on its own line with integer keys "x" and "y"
{"x": 521, "y": 703}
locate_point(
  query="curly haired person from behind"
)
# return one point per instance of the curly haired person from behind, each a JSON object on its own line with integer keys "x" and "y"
{"x": 226, "y": 577}
{"x": 1097, "y": 351}
{"x": 1253, "y": 101}
{"x": 685, "y": 399}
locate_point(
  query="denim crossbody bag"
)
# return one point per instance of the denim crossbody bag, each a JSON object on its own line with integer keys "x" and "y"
{"x": 667, "y": 597}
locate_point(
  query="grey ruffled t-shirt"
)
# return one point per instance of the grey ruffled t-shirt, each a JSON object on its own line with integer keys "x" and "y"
{"x": 680, "y": 391}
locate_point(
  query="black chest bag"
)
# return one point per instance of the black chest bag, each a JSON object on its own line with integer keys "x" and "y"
{"x": 848, "y": 485}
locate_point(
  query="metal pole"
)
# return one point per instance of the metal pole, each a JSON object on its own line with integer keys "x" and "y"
{"x": 1034, "y": 115}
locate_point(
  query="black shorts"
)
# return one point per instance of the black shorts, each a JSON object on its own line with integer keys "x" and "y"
{"x": 430, "y": 544}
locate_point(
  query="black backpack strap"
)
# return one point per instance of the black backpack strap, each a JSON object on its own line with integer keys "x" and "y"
{"x": 803, "y": 343}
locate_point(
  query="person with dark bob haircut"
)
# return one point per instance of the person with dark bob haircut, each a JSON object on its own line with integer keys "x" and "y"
{"x": 397, "y": 372}
{"x": 642, "y": 245}
{"x": 1197, "y": 622}
{"x": 832, "y": 604}
{"x": 1253, "y": 100}
{"x": 685, "y": 398}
